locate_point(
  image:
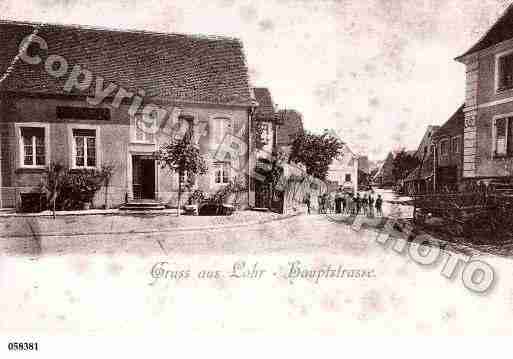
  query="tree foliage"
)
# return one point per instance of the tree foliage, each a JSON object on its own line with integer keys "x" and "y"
{"x": 181, "y": 156}
{"x": 316, "y": 152}
{"x": 403, "y": 164}
{"x": 257, "y": 135}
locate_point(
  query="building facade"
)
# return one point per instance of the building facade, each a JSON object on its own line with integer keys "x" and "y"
{"x": 343, "y": 171}
{"x": 448, "y": 141}
{"x": 488, "y": 111}
{"x": 87, "y": 97}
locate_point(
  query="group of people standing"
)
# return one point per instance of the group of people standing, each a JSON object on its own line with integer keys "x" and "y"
{"x": 341, "y": 202}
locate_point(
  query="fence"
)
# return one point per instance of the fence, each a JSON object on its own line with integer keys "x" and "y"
{"x": 484, "y": 212}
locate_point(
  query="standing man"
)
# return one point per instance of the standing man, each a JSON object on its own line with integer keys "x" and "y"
{"x": 307, "y": 202}
{"x": 338, "y": 201}
{"x": 371, "y": 205}
{"x": 358, "y": 203}
{"x": 379, "y": 206}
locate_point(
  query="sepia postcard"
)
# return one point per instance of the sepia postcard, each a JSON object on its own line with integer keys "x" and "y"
{"x": 225, "y": 167}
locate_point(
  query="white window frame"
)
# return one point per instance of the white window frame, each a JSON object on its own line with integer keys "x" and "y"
{"x": 507, "y": 117}
{"x": 215, "y": 128}
{"x": 72, "y": 143}
{"x": 498, "y": 56}
{"x": 220, "y": 164}
{"x": 149, "y": 138}
{"x": 21, "y": 148}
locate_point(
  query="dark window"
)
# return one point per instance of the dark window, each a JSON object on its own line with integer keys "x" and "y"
{"x": 505, "y": 72}
{"x": 348, "y": 177}
{"x": 444, "y": 147}
{"x": 83, "y": 113}
{"x": 456, "y": 145}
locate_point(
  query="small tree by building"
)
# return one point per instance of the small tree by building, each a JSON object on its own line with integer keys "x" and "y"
{"x": 182, "y": 157}
{"x": 52, "y": 184}
{"x": 316, "y": 152}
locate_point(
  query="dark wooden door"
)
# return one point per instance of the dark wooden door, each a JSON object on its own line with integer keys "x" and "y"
{"x": 143, "y": 177}
{"x": 262, "y": 195}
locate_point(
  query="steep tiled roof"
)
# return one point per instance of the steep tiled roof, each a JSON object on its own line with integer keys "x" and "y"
{"x": 426, "y": 141}
{"x": 453, "y": 126}
{"x": 168, "y": 67}
{"x": 500, "y": 31}
{"x": 265, "y": 109}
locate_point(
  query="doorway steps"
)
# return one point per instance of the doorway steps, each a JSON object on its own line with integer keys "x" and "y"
{"x": 7, "y": 210}
{"x": 143, "y": 205}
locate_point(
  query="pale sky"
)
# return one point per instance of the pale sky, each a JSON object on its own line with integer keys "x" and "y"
{"x": 377, "y": 71}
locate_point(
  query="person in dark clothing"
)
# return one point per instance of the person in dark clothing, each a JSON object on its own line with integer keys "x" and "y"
{"x": 371, "y": 205}
{"x": 379, "y": 206}
{"x": 338, "y": 201}
{"x": 307, "y": 202}
{"x": 358, "y": 203}
{"x": 365, "y": 203}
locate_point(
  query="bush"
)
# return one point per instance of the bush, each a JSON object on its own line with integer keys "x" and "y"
{"x": 79, "y": 187}
{"x": 234, "y": 188}
{"x": 197, "y": 196}
{"x": 73, "y": 187}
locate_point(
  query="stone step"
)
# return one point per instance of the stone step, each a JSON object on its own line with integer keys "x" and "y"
{"x": 142, "y": 205}
{"x": 7, "y": 210}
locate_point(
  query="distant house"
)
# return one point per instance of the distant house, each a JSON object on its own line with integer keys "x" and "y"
{"x": 419, "y": 180}
{"x": 265, "y": 116}
{"x": 488, "y": 111}
{"x": 363, "y": 164}
{"x": 441, "y": 157}
{"x": 448, "y": 141}
{"x": 343, "y": 171}
{"x": 200, "y": 82}
{"x": 384, "y": 176}
{"x": 425, "y": 144}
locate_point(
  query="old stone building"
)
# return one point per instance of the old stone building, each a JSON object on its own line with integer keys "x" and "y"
{"x": 87, "y": 97}
{"x": 488, "y": 124}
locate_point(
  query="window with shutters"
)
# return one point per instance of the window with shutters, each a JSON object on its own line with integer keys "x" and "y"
{"x": 84, "y": 148}
{"x": 33, "y": 144}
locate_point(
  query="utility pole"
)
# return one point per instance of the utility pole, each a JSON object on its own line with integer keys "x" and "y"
{"x": 434, "y": 166}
